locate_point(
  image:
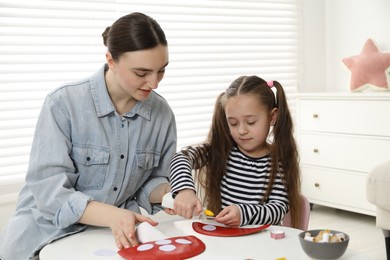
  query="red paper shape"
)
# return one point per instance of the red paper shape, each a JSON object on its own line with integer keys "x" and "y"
{"x": 221, "y": 231}
{"x": 176, "y": 248}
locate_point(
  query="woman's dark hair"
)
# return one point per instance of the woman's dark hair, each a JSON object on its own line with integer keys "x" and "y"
{"x": 133, "y": 32}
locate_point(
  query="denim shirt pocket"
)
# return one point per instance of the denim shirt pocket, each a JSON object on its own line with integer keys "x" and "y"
{"x": 91, "y": 164}
{"x": 147, "y": 160}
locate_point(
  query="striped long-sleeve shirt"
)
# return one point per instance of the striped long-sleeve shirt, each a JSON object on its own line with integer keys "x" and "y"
{"x": 244, "y": 184}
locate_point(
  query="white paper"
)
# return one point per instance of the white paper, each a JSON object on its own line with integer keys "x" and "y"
{"x": 146, "y": 233}
{"x": 167, "y": 201}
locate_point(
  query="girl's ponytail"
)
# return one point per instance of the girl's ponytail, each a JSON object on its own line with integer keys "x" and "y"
{"x": 285, "y": 149}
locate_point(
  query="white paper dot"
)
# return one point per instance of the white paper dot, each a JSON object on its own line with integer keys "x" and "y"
{"x": 163, "y": 242}
{"x": 209, "y": 228}
{"x": 104, "y": 252}
{"x": 183, "y": 241}
{"x": 145, "y": 247}
{"x": 167, "y": 248}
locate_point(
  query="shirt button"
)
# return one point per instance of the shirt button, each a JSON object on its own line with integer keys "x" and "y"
{"x": 122, "y": 125}
{"x": 88, "y": 159}
{"x": 122, "y": 156}
{"x": 115, "y": 188}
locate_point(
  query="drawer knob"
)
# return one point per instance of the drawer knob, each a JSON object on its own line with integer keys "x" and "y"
{"x": 315, "y": 115}
{"x": 315, "y": 150}
{"x": 317, "y": 185}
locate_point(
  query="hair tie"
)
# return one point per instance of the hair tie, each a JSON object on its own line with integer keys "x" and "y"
{"x": 270, "y": 83}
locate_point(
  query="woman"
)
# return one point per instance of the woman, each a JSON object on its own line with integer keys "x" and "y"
{"x": 101, "y": 149}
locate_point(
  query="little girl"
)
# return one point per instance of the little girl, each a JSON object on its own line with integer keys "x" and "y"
{"x": 251, "y": 129}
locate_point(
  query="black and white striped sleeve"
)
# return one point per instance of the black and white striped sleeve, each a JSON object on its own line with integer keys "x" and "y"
{"x": 272, "y": 212}
{"x": 181, "y": 173}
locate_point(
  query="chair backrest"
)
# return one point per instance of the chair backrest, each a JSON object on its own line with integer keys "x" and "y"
{"x": 305, "y": 215}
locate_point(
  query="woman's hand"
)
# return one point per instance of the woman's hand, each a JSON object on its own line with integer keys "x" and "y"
{"x": 123, "y": 227}
{"x": 229, "y": 216}
{"x": 121, "y": 221}
{"x": 158, "y": 193}
{"x": 187, "y": 204}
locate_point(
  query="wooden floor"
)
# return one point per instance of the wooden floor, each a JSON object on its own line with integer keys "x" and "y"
{"x": 365, "y": 237}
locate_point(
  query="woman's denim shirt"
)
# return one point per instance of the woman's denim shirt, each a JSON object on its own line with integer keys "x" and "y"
{"x": 82, "y": 151}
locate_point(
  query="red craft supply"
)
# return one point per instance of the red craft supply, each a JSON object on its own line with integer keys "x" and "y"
{"x": 173, "y": 248}
{"x": 221, "y": 231}
{"x": 277, "y": 234}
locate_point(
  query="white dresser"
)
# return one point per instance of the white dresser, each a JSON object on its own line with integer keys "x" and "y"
{"x": 341, "y": 137}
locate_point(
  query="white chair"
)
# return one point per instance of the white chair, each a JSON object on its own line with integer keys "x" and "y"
{"x": 378, "y": 193}
{"x": 305, "y": 215}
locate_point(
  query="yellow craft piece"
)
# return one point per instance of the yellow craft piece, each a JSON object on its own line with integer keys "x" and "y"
{"x": 208, "y": 213}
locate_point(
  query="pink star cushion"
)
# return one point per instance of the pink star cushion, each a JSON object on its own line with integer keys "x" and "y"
{"x": 369, "y": 69}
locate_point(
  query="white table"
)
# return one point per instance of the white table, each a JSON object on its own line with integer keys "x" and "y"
{"x": 98, "y": 243}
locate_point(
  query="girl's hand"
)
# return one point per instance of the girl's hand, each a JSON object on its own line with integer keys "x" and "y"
{"x": 229, "y": 216}
{"x": 123, "y": 224}
{"x": 187, "y": 204}
{"x": 170, "y": 211}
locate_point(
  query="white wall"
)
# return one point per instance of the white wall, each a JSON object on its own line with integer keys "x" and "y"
{"x": 312, "y": 46}
{"x": 335, "y": 29}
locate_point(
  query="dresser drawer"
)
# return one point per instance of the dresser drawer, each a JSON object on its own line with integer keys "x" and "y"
{"x": 365, "y": 117}
{"x": 336, "y": 188}
{"x": 347, "y": 152}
